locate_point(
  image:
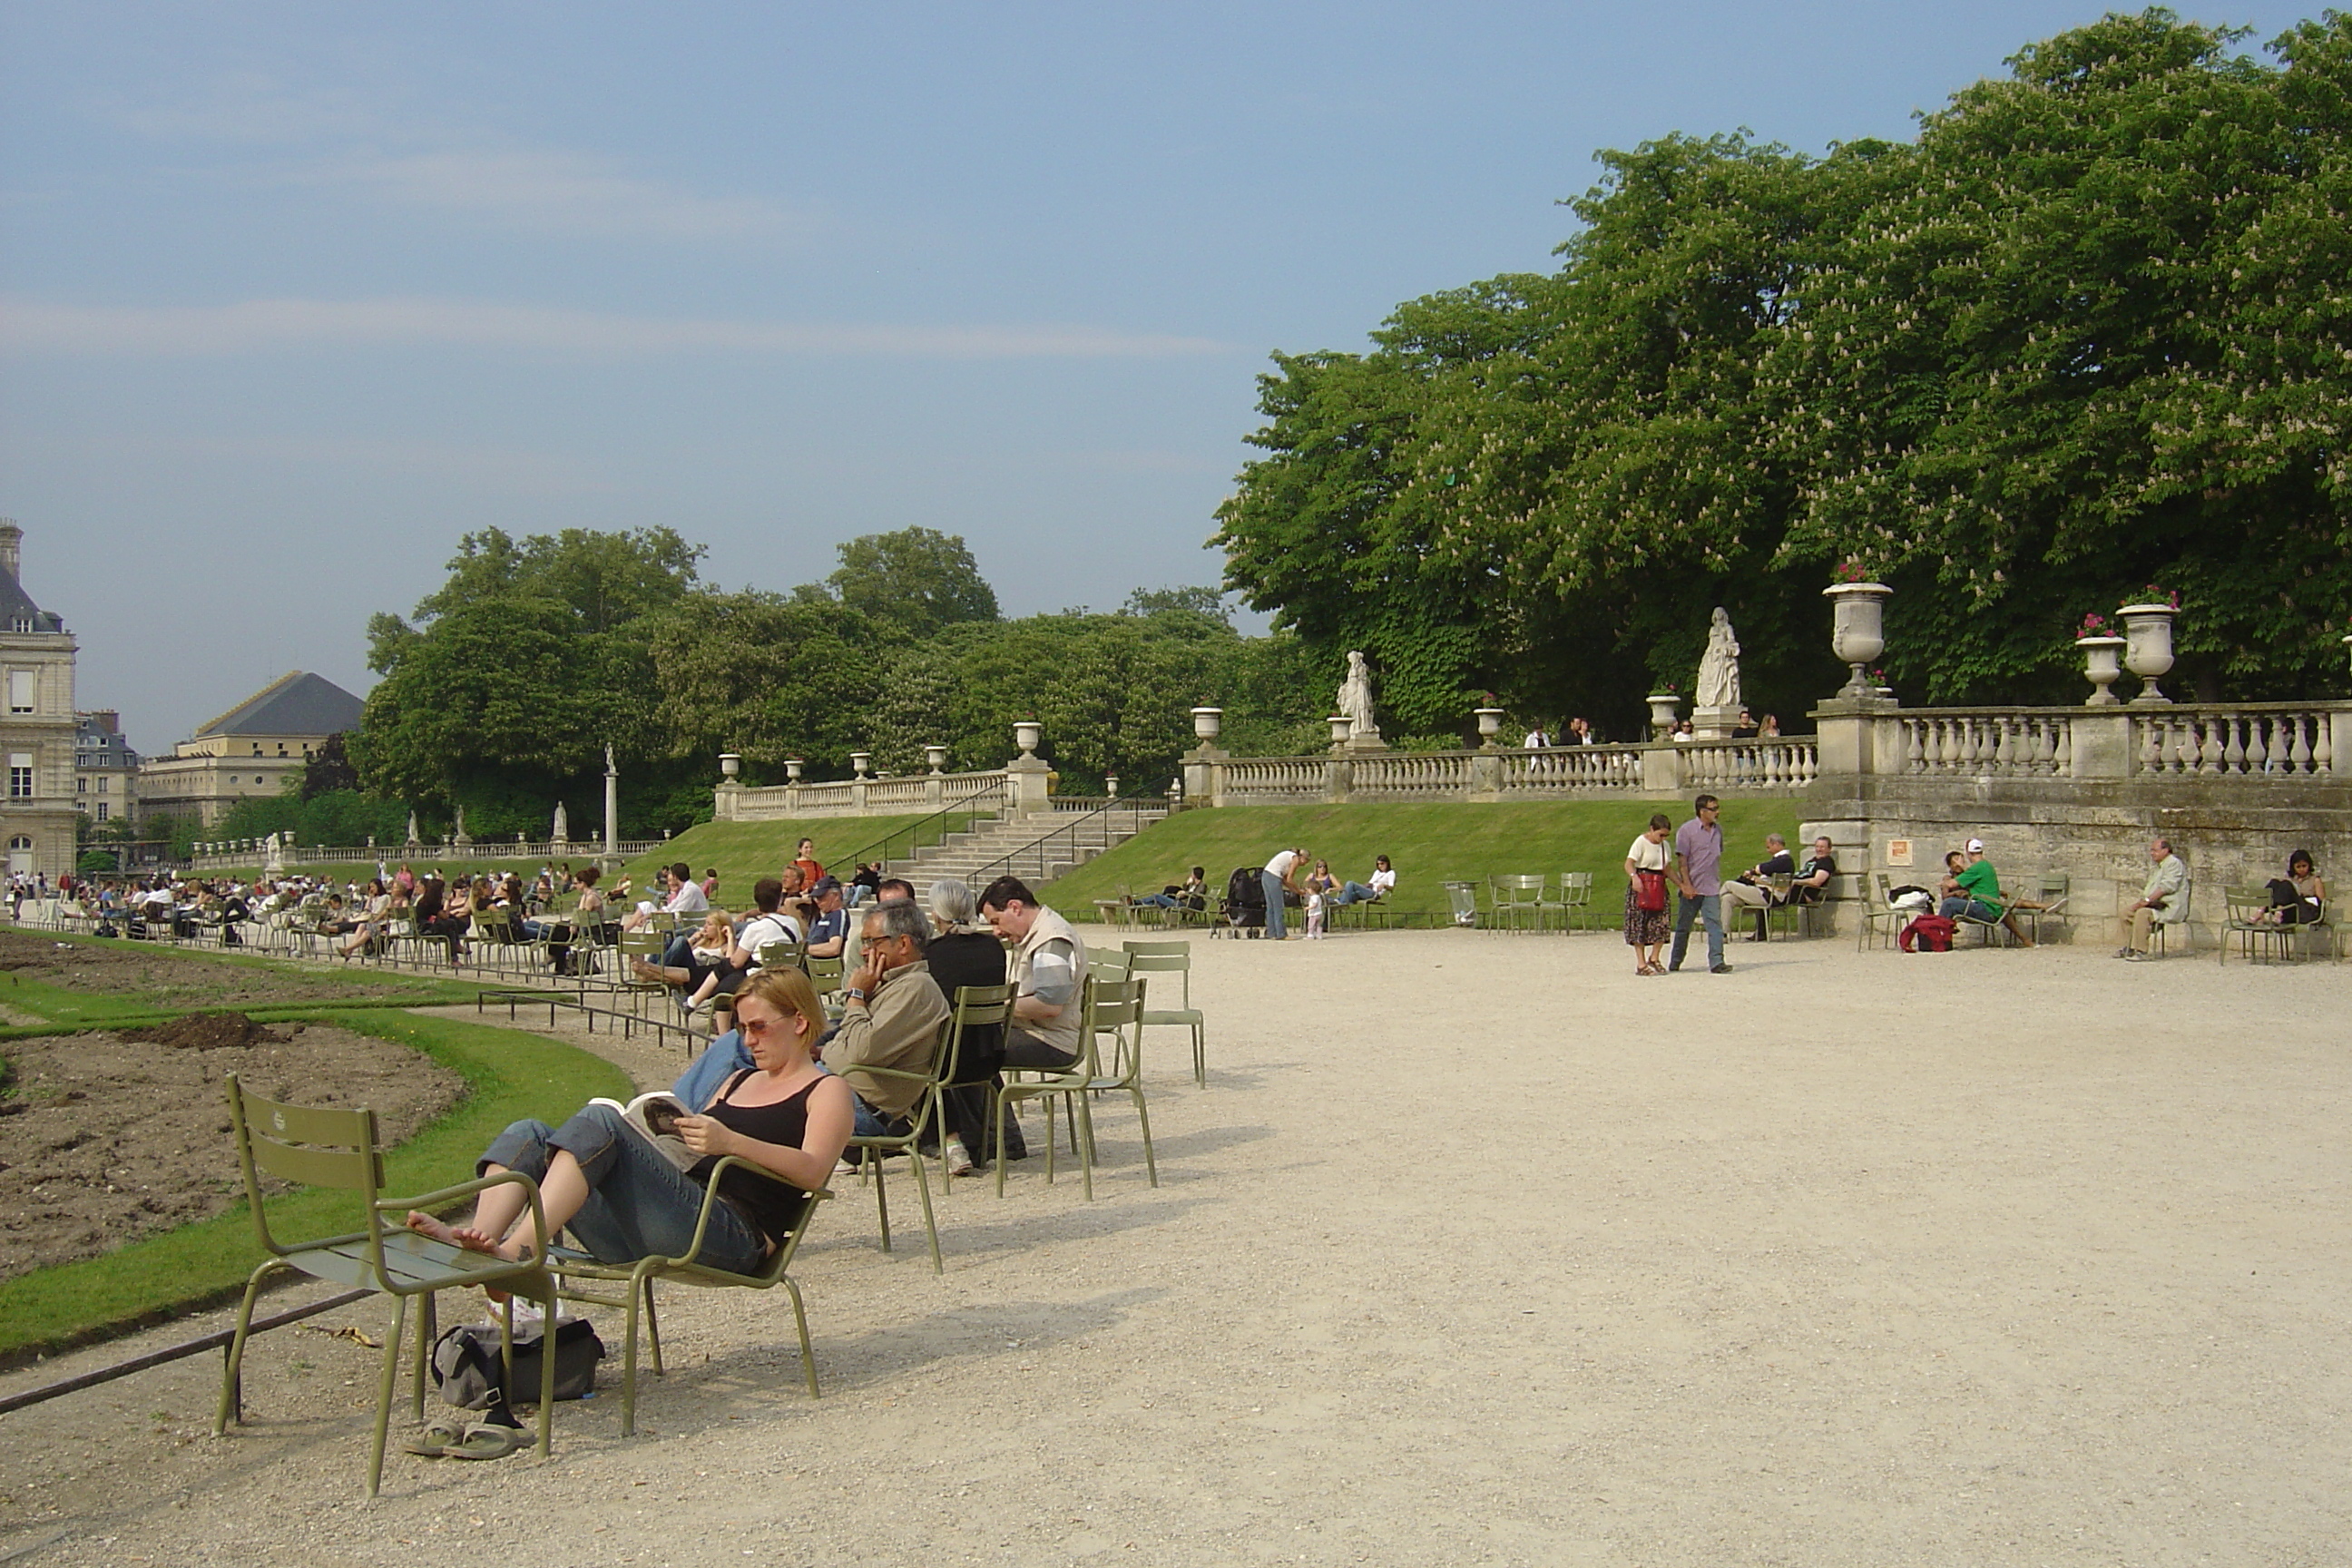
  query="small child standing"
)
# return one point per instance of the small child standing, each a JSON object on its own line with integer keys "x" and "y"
{"x": 1315, "y": 917}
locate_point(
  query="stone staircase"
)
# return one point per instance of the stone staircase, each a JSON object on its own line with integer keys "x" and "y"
{"x": 1036, "y": 849}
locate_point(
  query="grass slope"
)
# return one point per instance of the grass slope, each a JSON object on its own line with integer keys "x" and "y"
{"x": 1430, "y": 844}
{"x": 509, "y": 1074}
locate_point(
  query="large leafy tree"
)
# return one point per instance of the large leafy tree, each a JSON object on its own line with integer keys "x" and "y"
{"x": 913, "y": 582}
{"x": 2087, "y": 334}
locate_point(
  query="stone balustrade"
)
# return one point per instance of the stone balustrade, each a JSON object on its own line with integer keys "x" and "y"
{"x": 2265, "y": 743}
{"x": 1660, "y": 770}
{"x": 1004, "y": 789}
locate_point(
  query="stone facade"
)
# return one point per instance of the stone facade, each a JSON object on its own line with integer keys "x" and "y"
{"x": 105, "y": 769}
{"x": 36, "y": 727}
{"x": 249, "y": 751}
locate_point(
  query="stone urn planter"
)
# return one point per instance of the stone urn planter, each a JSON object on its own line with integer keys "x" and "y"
{"x": 1342, "y": 728}
{"x": 1662, "y": 713}
{"x": 2102, "y": 662}
{"x": 1490, "y": 724}
{"x": 936, "y": 758}
{"x": 859, "y": 762}
{"x": 730, "y": 764}
{"x": 2147, "y": 635}
{"x": 792, "y": 767}
{"x": 1858, "y": 631}
{"x": 1026, "y": 734}
{"x": 1206, "y": 723}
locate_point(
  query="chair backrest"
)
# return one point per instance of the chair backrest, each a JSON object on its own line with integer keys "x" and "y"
{"x": 1519, "y": 890}
{"x": 1576, "y": 887}
{"x": 1164, "y": 958}
{"x": 783, "y": 955}
{"x": 975, "y": 1007}
{"x": 1110, "y": 964}
{"x": 826, "y": 973}
{"x": 2053, "y": 885}
{"x": 1114, "y": 1007}
{"x": 2245, "y": 900}
{"x": 318, "y": 1146}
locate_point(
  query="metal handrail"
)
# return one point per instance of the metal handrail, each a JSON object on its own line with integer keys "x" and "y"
{"x": 864, "y": 853}
{"x": 1008, "y": 864}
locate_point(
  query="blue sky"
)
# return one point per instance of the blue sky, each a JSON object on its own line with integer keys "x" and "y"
{"x": 293, "y": 295}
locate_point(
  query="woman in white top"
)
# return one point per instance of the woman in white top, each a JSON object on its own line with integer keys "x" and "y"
{"x": 1646, "y": 930}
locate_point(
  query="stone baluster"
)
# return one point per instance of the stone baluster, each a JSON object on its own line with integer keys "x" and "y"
{"x": 2225, "y": 746}
{"x": 2279, "y": 756}
{"x": 2299, "y": 755}
{"x": 2322, "y": 745}
{"x": 2062, "y": 751}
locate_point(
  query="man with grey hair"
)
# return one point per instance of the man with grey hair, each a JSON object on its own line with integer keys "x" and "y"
{"x": 891, "y": 1014}
{"x": 1746, "y": 893}
{"x": 2164, "y": 900}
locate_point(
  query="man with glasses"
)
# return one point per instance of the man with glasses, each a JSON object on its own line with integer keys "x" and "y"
{"x": 891, "y": 1017}
{"x": 1697, "y": 873}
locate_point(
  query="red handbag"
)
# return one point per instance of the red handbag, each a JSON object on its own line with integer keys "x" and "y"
{"x": 1651, "y": 897}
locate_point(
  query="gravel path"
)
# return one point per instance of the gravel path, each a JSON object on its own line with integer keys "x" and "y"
{"x": 1476, "y": 1249}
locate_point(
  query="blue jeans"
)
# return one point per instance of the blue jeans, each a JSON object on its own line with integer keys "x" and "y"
{"x": 1959, "y": 909}
{"x": 640, "y": 1205}
{"x": 1707, "y": 907}
{"x": 724, "y": 1056}
{"x": 1158, "y": 901}
{"x": 1355, "y": 893}
{"x": 1273, "y": 885}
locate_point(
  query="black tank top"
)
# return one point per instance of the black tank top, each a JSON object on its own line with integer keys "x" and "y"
{"x": 772, "y": 1207}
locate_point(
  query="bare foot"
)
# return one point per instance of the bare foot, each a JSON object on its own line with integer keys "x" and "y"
{"x": 441, "y": 1230}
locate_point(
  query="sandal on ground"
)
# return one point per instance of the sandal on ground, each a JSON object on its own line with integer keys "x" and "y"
{"x": 440, "y": 1435}
{"x": 487, "y": 1440}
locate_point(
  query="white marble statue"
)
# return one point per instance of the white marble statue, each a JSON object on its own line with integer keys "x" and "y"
{"x": 1719, "y": 668}
{"x": 562, "y": 825}
{"x": 1356, "y": 699}
{"x": 412, "y": 828}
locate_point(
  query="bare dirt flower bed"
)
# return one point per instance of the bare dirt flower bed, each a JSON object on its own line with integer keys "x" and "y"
{"x": 171, "y": 980}
{"x": 105, "y": 1138}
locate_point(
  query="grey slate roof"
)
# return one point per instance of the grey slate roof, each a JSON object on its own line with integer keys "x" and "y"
{"x": 16, "y": 604}
{"x": 297, "y": 704}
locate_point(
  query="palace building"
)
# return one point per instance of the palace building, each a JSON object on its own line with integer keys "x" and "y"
{"x": 37, "y": 731}
{"x": 248, "y": 751}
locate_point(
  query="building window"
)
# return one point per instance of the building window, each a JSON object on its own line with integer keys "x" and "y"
{"x": 101, "y": 811}
{"x": 20, "y": 776}
{"x": 81, "y": 787}
{"x": 20, "y": 691}
{"x": 102, "y": 783}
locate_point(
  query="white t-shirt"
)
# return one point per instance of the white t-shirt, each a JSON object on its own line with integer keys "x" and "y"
{"x": 687, "y": 901}
{"x": 1646, "y": 855}
{"x": 1384, "y": 881}
{"x": 1281, "y": 864}
{"x": 761, "y": 930}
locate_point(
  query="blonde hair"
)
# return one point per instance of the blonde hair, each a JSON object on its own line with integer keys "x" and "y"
{"x": 785, "y": 989}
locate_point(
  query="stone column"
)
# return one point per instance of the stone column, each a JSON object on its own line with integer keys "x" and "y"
{"x": 1338, "y": 778}
{"x": 1485, "y": 776}
{"x": 1662, "y": 769}
{"x": 1029, "y": 778}
{"x": 2102, "y": 742}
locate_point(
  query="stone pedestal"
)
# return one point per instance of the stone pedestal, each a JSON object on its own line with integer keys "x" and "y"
{"x": 1030, "y": 781}
{"x": 1714, "y": 723}
{"x": 1204, "y": 770}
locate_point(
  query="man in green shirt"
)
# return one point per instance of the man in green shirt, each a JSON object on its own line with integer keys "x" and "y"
{"x": 1978, "y": 895}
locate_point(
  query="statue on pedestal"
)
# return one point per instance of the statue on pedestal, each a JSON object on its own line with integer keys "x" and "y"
{"x": 562, "y": 834}
{"x": 1715, "y": 713}
{"x": 1356, "y": 702}
{"x": 1718, "y": 667}
{"x": 412, "y": 839}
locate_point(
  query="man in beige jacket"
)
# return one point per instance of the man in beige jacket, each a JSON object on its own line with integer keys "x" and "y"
{"x": 890, "y": 1018}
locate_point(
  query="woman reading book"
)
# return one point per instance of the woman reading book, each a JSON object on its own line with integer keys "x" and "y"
{"x": 621, "y": 1196}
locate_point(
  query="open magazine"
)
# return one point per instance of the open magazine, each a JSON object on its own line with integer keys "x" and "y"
{"x": 654, "y": 1116}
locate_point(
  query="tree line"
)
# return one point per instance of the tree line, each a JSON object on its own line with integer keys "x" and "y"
{"x": 2084, "y": 337}
{"x": 501, "y": 689}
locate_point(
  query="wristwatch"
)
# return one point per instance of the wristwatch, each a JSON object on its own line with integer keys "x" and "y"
{"x": 853, "y": 994}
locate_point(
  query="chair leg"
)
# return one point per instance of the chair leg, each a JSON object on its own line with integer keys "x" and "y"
{"x": 800, "y": 1318}
{"x": 1143, "y": 1120}
{"x": 391, "y": 1379}
{"x": 427, "y": 1322}
{"x": 996, "y": 1124}
{"x": 653, "y": 1327}
{"x": 232, "y": 1401}
{"x": 1081, "y": 1116}
{"x": 872, "y": 1163}
{"x": 548, "y": 1326}
{"x": 637, "y": 1298}
{"x": 923, "y": 1188}
{"x": 1200, "y": 1058}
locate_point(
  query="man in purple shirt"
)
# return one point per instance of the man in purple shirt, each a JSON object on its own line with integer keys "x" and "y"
{"x": 1698, "y": 871}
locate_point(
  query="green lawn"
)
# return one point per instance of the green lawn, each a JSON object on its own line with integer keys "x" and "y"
{"x": 1430, "y": 845}
{"x": 509, "y": 1075}
{"x": 746, "y": 851}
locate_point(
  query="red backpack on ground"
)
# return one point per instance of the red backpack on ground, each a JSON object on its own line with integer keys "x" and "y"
{"x": 1928, "y": 933}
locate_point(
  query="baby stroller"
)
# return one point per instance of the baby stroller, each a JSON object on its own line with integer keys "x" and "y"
{"x": 1244, "y": 908}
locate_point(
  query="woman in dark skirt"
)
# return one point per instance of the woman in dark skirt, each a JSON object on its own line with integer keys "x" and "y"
{"x": 1646, "y": 930}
